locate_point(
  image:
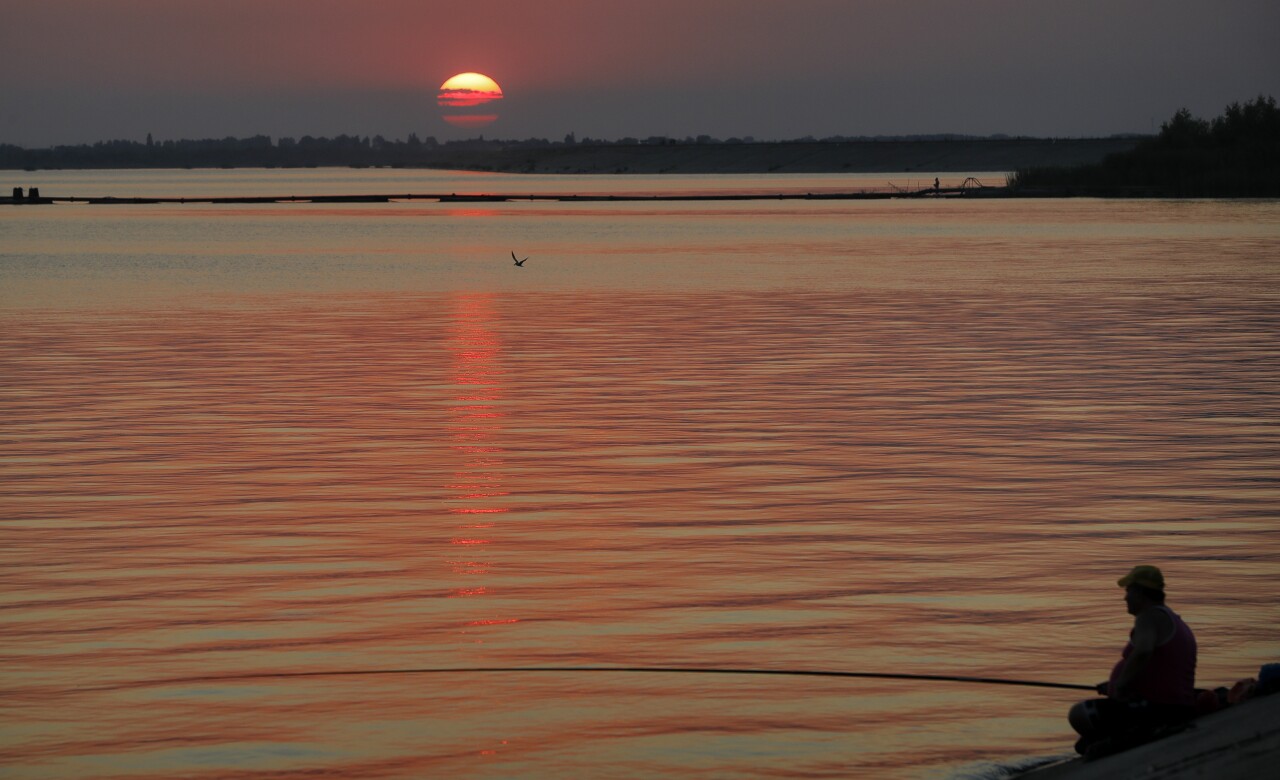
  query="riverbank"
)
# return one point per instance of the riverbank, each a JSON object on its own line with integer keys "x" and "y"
{"x": 796, "y": 157}
{"x": 1235, "y": 155}
{"x": 1239, "y": 743}
{"x": 887, "y": 156}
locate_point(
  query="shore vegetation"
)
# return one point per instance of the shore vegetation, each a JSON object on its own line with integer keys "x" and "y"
{"x": 1233, "y": 155}
{"x": 658, "y": 154}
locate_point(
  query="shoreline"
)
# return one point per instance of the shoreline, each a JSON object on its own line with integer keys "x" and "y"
{"x": 795, "y": 157}
{"x": 1239, "y": 743}
{"x": 887, "y": 156}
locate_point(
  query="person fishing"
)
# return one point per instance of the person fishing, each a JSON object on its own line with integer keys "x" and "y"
{"x": 1152, "y": 686}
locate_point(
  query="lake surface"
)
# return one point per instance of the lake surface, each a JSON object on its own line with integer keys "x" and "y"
{"x": 883, "y": 436}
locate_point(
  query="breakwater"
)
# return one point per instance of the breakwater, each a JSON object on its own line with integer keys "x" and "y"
{"x": 971, "y": 188}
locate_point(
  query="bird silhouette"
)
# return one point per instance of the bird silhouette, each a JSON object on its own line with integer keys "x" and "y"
{"x": 518, "y": 262}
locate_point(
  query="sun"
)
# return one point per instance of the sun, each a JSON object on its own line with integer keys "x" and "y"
{"x": 469, "y": 100}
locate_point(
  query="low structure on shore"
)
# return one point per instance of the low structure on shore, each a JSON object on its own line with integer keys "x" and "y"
{"x": 970, "y": 189}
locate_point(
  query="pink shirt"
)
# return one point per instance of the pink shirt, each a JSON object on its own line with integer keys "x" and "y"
{"x": 1170, "y": 676}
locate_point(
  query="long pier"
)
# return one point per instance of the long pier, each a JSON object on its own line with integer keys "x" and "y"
{"x": 964, "y": 191}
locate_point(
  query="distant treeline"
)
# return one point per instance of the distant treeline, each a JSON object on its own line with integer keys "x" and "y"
{"x": 261, "y": 151}
{"x": 258, "y": 151}
{"x": 1234, "y": 155}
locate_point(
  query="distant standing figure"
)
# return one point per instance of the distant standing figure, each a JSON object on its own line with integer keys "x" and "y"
{"x": 1152, "y": 685}
{"x": 936, "y": 184}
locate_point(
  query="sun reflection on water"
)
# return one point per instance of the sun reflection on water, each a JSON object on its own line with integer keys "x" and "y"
{"x": 474, "y": 426}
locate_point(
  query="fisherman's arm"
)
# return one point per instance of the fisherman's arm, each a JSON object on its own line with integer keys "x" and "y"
{"x": 1146, "y": 633}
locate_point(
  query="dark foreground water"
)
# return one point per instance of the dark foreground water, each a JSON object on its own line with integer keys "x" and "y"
{"x": 920, "y": 437}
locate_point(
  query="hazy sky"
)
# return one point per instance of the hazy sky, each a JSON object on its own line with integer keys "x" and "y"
{"x": 74, "y": 71}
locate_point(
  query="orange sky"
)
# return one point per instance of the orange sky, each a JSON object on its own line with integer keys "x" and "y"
{"x": 81, "y": 70}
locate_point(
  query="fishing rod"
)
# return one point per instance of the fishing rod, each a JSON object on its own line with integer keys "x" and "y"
{"x": 605, "y": 669}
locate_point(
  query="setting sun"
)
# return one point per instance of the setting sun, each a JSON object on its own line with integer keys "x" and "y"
{"x": 469, "y": 100}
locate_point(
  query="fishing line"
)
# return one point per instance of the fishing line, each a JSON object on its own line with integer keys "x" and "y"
{"x": 600, "y": 669}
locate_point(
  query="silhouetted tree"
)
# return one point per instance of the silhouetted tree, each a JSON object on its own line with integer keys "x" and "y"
{"x": 1183, "y": 131}
{"x": 1235, "y": 155}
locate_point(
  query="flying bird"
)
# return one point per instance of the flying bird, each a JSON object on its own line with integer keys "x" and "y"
{"x": 518, "y": 262}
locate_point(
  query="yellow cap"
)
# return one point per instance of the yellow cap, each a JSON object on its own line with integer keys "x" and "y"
{"x": 1146, "y": 576}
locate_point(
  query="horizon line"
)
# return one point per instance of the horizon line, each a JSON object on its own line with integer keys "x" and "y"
{"x": 571, "y": 140}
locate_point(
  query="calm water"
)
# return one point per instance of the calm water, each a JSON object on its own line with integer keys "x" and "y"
{"x": 919, "y": 437}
